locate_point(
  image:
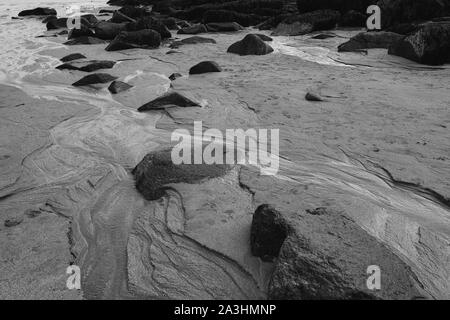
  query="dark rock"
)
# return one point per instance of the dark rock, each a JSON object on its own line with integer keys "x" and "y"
{"x": 87, "y": 66}
{"x": 84, "y": 40}
{"x": 156, "y": 171}
{"x": 326, "y": 256}
{"x": 57, "y": 23}
{"x": 243, "y": 19}
{"x": 150, "y": 23}
{"x": 32, "y": 213}
{"x": 108, "y": 30}
{"x": 370, "y": 40}
{"x": 175, "y": 75}
{"x": 402, "y": 11}
{"x": 307, "y": 22}
{"x": 73, "y": 56}
{"x": 404, "y": 28}
{"x": 268, "y": 232}
{"x": 323, "y": 36}
{"x": 250, "y": 45}
{"x": 145, "y": 39}
{"x": 273, "y": 21}
{"x": 195, "y": 29}
{"x": 191, "y": 40}
{"x": 90, "y": 18}
{"x": 170, "y": 99}
{"x": 205, "y": 67}
{"x": 129, "y": 11}
{"x": 310, "y": 96}
{"x": 353, "y": 18}
{"x": 12, "y": 222}
{"x": 38, "y": 12}
{"x": 118, "y": 86}
{"x": 430, "y": 44}
{"x": 82, "y": 32}
{"x": 49, "y": 18}
{"x": 94, "y": 79}
{"x": 172, "y": 52}
{"x": 224, "y": 27}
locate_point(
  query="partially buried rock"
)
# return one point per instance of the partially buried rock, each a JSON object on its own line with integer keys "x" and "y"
{"x": 310, "y": 96}
{"x": 157, "y": 170}
{"x": 174, "y": 76}
{"x": 268, "y": 232}
{"x": 323, "y": 36}
{"x": 87, "y": 66}
{"x": 172, "y": 52}
{"x": 430, "y": 44}
{"x": 84, "y": 40}
{"x": 198, "y": 28}
{"x": 12, "y": 222}
{"x": 146, "y": 39}
{"x": 370, "y": 40}
{"x": 73, "y": 56}
{"x": 38, "y": 12}
{"x": 118, "y": 86}
{"x": 250, "y": 45}
{"x": 171, "y": 99}
{"x": 94, "y": 79}
{"x": 205, "y": 67}
{"x": 224, "y": 27}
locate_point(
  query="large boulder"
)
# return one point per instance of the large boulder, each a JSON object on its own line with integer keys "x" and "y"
{"x": 150, "y": 23}
{"x": 224, "y": 27}
{"x": 205, "y": 67}
{"x": 430, "y": 44}
{"x": 156, "y": 172}
{"x": 87, "y": 66}
{"x": 401, "y": 11}
{"x": 38, "y": 12}
{"x": 195, "y": 29}
{"x": 170, "y": 99}
{"x": 326, "y": 255}
{"x": 146, "y": 39}
{"x": 250, "y": 45}
{"x": 109, "y": 30}
{"x": 268, "y": 232}
{"x": 95, "y": 78}
{"x": 308, "y": 22}
{"x": 370, "y": 40}
{"x": 57, "y": 23}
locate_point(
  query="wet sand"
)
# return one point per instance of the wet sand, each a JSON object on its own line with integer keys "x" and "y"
{"x": 376, "y": 148}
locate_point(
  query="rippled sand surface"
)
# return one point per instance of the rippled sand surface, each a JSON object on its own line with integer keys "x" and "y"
{"x": 376, "y": 148}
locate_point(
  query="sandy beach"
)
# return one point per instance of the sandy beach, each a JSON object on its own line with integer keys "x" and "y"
{"x": 376, "y": 148}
